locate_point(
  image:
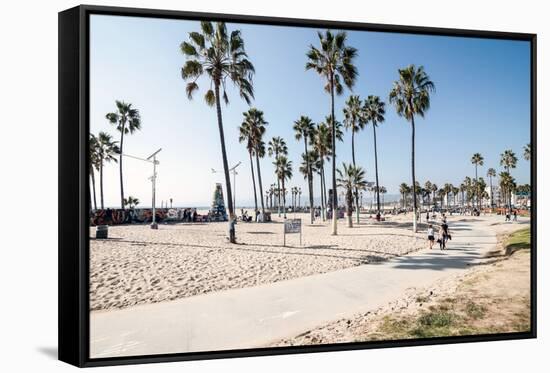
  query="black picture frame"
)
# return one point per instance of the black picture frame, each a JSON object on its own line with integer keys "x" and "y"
{"x": 73, "y": 250}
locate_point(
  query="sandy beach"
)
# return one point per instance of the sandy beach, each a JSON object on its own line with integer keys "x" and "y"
{"x": 138, "y": 265}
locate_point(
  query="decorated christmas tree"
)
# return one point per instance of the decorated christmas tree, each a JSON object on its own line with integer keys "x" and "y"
{"x": 217, "y": 211}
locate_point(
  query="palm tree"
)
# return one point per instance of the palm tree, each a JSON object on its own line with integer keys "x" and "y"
{"x": 507, "y": 185}
{"x": 333, "y": 61}
{"x": 428, "y": 188}
{"x": 411, "y": 97}
{"x": 131, "y": 202}
{"x": 462, "y": 189}
{"x": 276, "y": 147}
{"x": 284, "y": 172}
{"x": 294, "y": 192}
{"x": 94, "y": 165}
{"x": 441, "y": 194}
{"x": 508, "y": 160}
{"x": 304, "y": 128}
{"x": 220, "y": 56}
{"x": 447, "y": 188}
{"x": 350, "y": 178}
{"x": 374, "y": 110}
{"x": 434, "y": 189}
{"x": 246, "y": 134}
{"x": 257, "y": 123}
{"x": 477, "y": 160}
{"x": 455, "y": 191}
{"x": 127, "y": 121}
{"x": 527, "y": 152}
{"x": 354, "y": 120}
{"x": 107, "y": 149}
{"x": 321, "y": 145}
{"x": 491, "y": 172}
{"x": 468, "y": 188}
{"x": 404, "y": 190}
{"x": 382, "y": 190}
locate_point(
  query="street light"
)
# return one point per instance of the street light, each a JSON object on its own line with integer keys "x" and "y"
{"x": 151, "y": 159}
{"x": 232, "y": 170}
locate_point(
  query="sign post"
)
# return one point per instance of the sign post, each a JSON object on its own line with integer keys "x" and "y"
{"x": 292, "y": 226}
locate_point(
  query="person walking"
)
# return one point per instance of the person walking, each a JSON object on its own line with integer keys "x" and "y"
{"x": 441, "y": 237}
{"x": 515, "y": 215}
{"x": 431, "y": 237}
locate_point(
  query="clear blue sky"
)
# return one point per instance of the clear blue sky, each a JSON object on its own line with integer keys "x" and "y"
{"x": 481, "y": 104}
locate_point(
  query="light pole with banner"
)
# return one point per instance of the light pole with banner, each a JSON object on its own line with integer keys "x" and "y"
{"x": 151, "y": 159}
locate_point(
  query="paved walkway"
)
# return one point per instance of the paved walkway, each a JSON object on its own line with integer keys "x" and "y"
{"x": 252, "y": 317}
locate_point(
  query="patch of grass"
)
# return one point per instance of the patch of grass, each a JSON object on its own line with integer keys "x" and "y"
{"x": 519, "y": 240}
{"x": 475, "y": 311}
{"x": 436, "y": 319}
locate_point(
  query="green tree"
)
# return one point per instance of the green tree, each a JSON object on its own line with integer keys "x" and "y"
{"x": 131, "y": 202}
{"x": 491, "y": 172}
{"x": 276, "y": 147}
{"x": 256, "y": 124}
{"x": 350, "y": 178}
{"x": 527, "y": 152}
{"x": 334, "y": 62}
{"x": 94, "y": 165}
{"x": 127, "y": 121}
{"x": 374, "y": 111}
{"x": 428, "y": 188}
{"x": 284, "y": 172}
{"x": 321, "y": 145}
{"x": 477, "y": 160}
{"x": 404, "y": 190}
{"x": 508, "y": 160}
{"x": 304, "y": 128}
{"x": 507, "y": 186}
{"x": 221, "y": 57}
{"x": 411, "y": 97}
{"x": 107, "y": 149}
{"x": 354, "y": 121}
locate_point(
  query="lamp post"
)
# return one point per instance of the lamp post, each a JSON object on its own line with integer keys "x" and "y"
{"x": 151, "y": 159}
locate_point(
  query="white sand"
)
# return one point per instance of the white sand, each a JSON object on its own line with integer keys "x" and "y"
{"x": 138, "y": 265}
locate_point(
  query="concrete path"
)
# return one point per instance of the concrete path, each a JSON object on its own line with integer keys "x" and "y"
{"x": 252, "y": 317}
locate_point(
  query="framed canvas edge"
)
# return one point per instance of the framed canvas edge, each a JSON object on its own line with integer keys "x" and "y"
{"x": 73, "y": 298}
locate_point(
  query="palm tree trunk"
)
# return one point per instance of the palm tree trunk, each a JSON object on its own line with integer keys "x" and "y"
{"x": 353, "y": 160}
{"x": 93, "y": 189}
{"x": 253, "y": 182}
{"x": 260, "y": 182}
{"x": 101, "y": 184}
{"x": 334, "y": 190}
{"x": 284, "y": 197}
{"x": 491, "y": 187}
{"x": 120, "y": 168}
{"x": 349, "y": 212}
{"x": 324, "y": 195}
{"x": 413, "y": 174}
{"x": 376, "y": 166}
{"x": 224, "y": 157}
{"x": 309, "y": 182}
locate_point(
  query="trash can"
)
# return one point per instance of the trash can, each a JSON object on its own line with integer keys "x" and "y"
{"x": 102, "y": 231}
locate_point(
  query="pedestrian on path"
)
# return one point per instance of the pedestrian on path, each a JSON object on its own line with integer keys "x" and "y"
{"x": 431, "y": 237}
{"x": 442, "y": 238}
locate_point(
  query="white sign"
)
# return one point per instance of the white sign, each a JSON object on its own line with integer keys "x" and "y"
{"x": 292, "y": 226}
